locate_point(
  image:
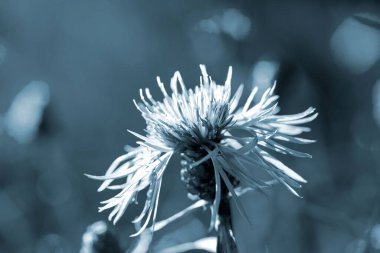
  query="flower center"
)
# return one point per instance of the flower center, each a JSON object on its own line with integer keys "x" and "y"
{"x": 200, "y": 180}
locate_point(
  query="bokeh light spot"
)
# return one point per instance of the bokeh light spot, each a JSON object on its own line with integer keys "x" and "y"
{"x": 231, "y": 22}
{"x": 356, "y": 46}
{"x": 24, "y": 117}
{"x": 375, "y": 237}
{"x": 264, "y": 73}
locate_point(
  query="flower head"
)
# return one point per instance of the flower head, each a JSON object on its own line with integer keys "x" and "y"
{"x": 222, "y": 146}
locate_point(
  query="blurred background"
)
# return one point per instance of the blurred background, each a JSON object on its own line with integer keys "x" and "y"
{"x": 70, "y": 69}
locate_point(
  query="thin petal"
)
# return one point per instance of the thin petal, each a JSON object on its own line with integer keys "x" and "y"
{"x": 289, "y": 172}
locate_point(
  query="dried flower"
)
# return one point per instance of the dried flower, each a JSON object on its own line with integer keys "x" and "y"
{"x": 222, "y": 147}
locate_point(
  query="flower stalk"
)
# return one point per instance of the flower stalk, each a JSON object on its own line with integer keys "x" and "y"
{"x": 226, "y": 242}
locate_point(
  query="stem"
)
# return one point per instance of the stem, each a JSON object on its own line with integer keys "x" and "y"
{"x": 226, "y": 239}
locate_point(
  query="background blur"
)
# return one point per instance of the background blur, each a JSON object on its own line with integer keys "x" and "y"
{"x": 70, "y": 69}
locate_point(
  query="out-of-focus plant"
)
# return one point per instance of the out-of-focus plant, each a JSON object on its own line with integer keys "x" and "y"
{"x": 98, "y": 239}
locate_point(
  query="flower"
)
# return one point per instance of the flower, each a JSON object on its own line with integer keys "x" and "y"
{"x": 221, "y": 145}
